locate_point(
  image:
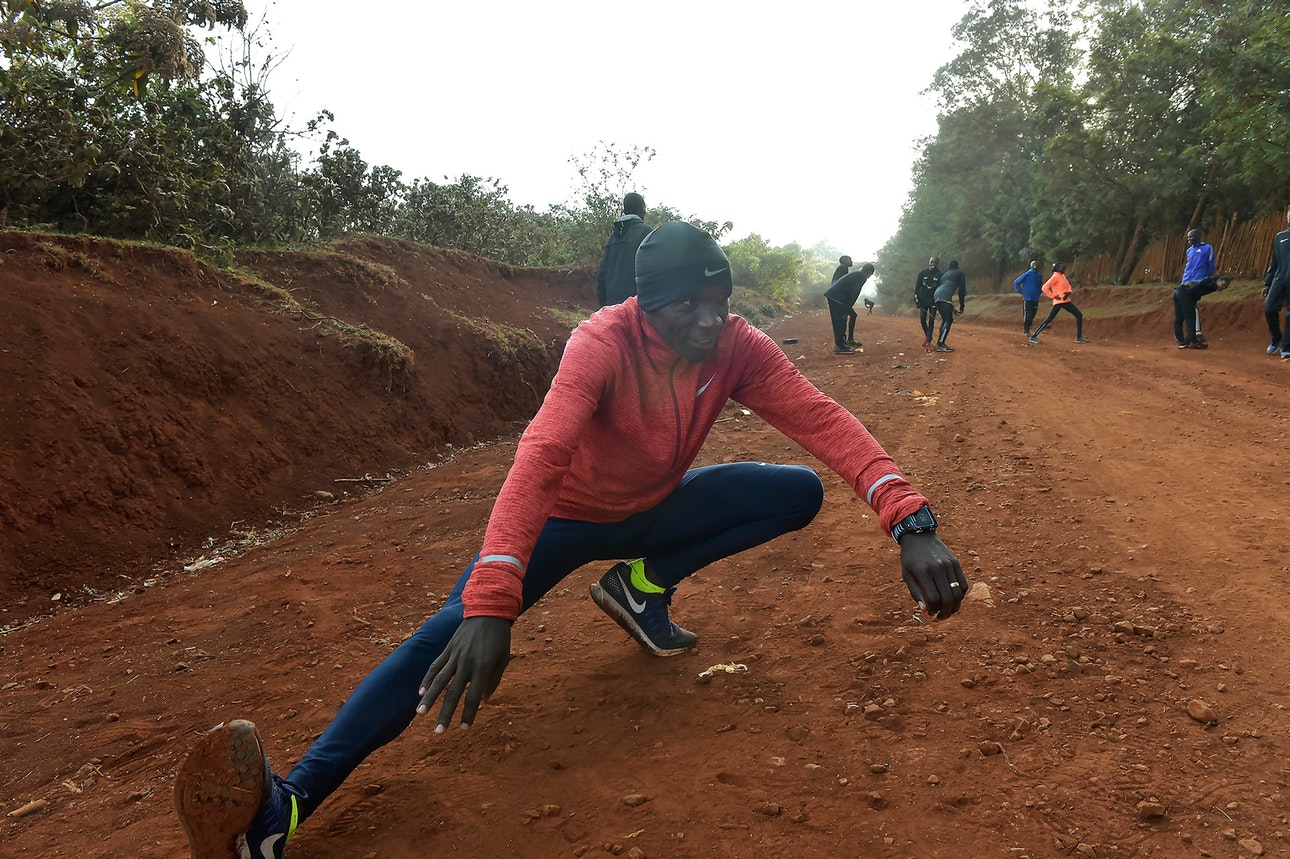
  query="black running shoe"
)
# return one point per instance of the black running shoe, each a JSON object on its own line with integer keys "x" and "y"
{"x": 643, "y": 615}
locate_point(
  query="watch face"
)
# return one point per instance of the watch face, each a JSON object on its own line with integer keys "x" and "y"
{"x": 922, "y": 518}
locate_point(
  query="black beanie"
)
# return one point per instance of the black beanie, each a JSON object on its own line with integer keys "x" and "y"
{"x": 634, "y": 204}
{"x": 675, "y": 261}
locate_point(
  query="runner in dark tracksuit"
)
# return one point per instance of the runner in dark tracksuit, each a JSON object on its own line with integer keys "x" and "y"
{"x": 842, "y": 296}
{"x": 952, "y": 282}
{"x": 844, "y": 266}
{"x": 924, "y": 299}
{"x": 616, "y": 277}
{"x": 1185, "y": 297}
{"x": 1276, "y": 293}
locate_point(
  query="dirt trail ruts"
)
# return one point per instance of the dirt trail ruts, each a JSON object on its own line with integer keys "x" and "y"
{"x": 1116, "y": 505}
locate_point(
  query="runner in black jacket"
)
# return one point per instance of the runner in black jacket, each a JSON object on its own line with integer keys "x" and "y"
{"x": 616, "y": 278}
{"x": 953, "y": 281}
{"x": 844, "y": 266}
{"x": 924, "y": 299}
{"x": 842, "y": 296}
{"x": 1276, "y": 293}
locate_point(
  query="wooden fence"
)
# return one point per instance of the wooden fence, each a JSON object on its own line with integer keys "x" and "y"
{"x": 1241, "y": 250}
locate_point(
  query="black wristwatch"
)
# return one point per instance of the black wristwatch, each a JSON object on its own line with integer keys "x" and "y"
{"x": 918, "y": 522}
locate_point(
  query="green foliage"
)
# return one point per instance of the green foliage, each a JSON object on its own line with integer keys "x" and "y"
{"x": 1096, "y": 127}
{"x": 476, "y": 215}
{"x": 772, "y": 272}
{"x": 111, "y": 127}
{"x": 350, "y": 196}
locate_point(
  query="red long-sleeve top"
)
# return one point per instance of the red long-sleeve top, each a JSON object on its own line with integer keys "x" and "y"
{"x": 625, "y": 418}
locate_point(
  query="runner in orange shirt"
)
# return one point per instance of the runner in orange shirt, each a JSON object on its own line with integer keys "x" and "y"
{"x": 1058, "y": 288}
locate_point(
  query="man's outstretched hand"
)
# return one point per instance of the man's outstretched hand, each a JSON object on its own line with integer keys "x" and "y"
{"x": 932, "y": 573}
{"x": 473, "y": 663}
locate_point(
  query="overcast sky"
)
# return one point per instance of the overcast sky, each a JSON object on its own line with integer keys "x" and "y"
{"x": 797, "y": 120}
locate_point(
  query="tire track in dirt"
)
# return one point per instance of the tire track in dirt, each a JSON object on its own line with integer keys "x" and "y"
{"x": 1034, "y": 724}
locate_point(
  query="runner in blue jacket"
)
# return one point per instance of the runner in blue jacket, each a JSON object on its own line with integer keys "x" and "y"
{"x": 1030, "y": 284}
{"x": 1200, "y": 266}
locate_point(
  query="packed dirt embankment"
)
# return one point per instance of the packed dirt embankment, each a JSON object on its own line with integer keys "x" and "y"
{"x": 155, "y": 408}
{"x": 1115, "y": 687}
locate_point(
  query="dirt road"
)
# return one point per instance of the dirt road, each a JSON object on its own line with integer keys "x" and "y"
{"x": 1118, "y": 506}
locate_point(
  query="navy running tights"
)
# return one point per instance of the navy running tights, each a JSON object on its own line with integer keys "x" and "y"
{"x": 716, "y": 512}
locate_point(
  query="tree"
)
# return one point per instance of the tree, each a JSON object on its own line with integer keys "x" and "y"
{"x": 92, "y": 144}
{"x": 773, "y": 272}
{"x": 976, "y": 190}
{"x": 476, "y": 215}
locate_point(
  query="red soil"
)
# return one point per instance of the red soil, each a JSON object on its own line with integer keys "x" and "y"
{"x": 170, "y": 558}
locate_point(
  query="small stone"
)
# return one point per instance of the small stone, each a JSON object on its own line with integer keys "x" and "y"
{"x": 1251, "y": 845}
{"x": 879, "y": 769}
{"x": 770, "y": 809}
{"x": 989, "y": 748}
{"x": 634, "y": 799}
{"x": 1150, "y": 810}
{"x": 1201, "y": 712}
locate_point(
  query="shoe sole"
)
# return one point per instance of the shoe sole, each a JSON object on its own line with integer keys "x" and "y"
{"x": 219, "y": 789}
{"x": 624, "y": 618}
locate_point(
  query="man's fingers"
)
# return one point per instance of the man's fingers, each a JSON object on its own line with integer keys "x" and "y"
{"x": 432, "y": 684}
{"x": 495, "y": 679}
{"x": 451, "y": 696}
{"x": 955, "y": 591}
{"x": 474, "y": 695}
{"x": 938, "y": 591}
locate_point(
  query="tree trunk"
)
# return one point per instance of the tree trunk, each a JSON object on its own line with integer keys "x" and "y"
{"x": 1126, "y": 238}
{"x": 1196, "y": 213}
{"x": 1136, "y": 246}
